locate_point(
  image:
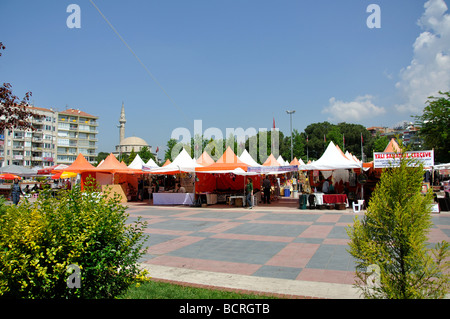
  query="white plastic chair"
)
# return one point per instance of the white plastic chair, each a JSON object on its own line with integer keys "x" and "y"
{"x": 357, "y": 207}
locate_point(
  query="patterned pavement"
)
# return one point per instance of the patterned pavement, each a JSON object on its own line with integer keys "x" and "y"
{"x": 267, "y": 241}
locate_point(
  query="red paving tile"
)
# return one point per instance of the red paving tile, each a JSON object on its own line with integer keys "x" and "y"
{"x": 316, "y": 231}
{"x": 171, "y": 245}
{"x": 206, "y": 265}
{"x": 328, "y": 218}
{"x": 166, "y": 232}
{"x": 335, "y": 241}
{"x": 324, "y": 275}
{"x": 294, "y": 255}
{"x": 221, "y": 227}
{"x": 281, "y": 239}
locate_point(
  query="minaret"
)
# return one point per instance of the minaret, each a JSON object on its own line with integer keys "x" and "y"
{"x": 121, "y": 126}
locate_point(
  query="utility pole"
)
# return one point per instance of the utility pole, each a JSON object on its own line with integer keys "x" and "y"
{"x": 290, "y": 115}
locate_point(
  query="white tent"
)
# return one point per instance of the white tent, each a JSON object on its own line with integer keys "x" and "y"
{"x": 18, "y": 170}
{"x": 136, "y": 163}
{"x": 282, "y": 162}
{"x": 182, "y": 163}
{"x": 331, "y": 159}
{"x": 248, "y": 159}
{"x": 151, "y": 163}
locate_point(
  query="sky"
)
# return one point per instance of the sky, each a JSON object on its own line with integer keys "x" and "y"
{"x": 228, "y": 63}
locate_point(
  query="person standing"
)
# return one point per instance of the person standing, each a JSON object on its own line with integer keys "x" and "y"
{"x": 16, "y": 191}
{"x": 249, "y": 193}
{"x": 266, "y": 186}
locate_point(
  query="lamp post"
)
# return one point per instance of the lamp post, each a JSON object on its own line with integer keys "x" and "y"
{"x": 290, "y": 115}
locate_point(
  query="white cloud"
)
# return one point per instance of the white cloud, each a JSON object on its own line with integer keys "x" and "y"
{"x": 357, "y": 110}
{"x": 429, "y": 71}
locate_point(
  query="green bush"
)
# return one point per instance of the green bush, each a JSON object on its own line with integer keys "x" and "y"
{"x": 390, "y": 243}
{"x": 38, "y": 242}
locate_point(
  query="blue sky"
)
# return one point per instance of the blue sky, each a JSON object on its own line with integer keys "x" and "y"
{"x": 234, "y": 63}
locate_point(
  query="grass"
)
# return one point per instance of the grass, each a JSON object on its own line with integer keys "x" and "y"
{"x": 164, "y": 290}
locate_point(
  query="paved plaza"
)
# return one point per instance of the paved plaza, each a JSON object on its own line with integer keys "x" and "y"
{"x": 275, "y": 249}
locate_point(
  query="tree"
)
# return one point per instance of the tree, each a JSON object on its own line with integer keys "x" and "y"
{"x": 14, "y": 113}
{"x": 380, "y": 143}
{"x": 145, "y": 154}
{"x": 170, "y": 145}
{"x": 131, "y": 157}
{"x": 391, "y": 239}
{"x": 435, "y": 126}
{"x": 101, "y": 156}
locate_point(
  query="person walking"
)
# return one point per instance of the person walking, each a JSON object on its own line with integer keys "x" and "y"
{"x": 249, "y": 193}
{"x": 16, "y": 191}
{"x": 266, "y": 186}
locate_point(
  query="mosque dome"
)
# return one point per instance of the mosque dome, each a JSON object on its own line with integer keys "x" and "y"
{"x": 133, "y": 141}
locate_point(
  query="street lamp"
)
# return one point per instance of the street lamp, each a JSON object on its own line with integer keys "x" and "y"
{"x": 290, "y": 115}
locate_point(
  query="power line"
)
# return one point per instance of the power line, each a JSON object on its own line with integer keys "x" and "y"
{"x": 140, "y": 61}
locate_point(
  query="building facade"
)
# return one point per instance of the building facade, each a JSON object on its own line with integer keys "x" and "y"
{"x": 57, "y": 139}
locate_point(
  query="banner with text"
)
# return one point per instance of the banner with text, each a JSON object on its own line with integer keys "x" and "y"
{"x": 383, "y": 160}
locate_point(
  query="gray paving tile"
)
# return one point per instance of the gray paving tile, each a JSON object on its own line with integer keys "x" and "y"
{"x": 184, "y": 225}
{"x": 338, "y": 232}
{"x": 268, "y": 229}
{"x": 290, "y": 217}
{"x": 278, "y": 272}
{"x": 243, "y": 251}
{"x": 332, "y": 257}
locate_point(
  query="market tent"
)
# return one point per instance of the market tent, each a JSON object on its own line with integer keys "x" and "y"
{"x": 136, "y": 163}
{"x": 331, "y": 159}
{"x": 64, "y": 175}
{"x": 151, "y": 163}
{"x": 50, "y": 169}
{"x": 248, "y": 159}
{"x": 295, "y": 161}
{"x": 18, "y": 170}
{"x": 271, "y": 161}
{"x": 83, "y": 167}
{"x": 112, "y": 165}
{"x": 167, "y": 162}
{"x": 227, "y": 162}
{"x": 80, "y": 165}
{"x": 182, "y": 163}
{"x": 205, "y": 159}
{"x": 282, "y": 162}
{"x": 392, "y": 147}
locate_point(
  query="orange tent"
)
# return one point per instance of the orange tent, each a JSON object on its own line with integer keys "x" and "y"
{"x": 112, "y": 165}
{"x": 80, "y": 165}
{"x": 167, "y": 162}
{"x": 205, "y": 159}
{"x": 392, "y": 147}
{"x": 228, "y": 161}
{"x": 295, "y": 162}
{"x": 271, "y": 161}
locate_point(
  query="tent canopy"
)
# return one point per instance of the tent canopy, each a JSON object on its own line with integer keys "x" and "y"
{"x": 271, "y": 161}
{"x": 182, "y": 163}
{"x": 151, "y": 163}
{"x": 227, "y": 162}
{"x": 80, "y": 165}
{"x": 248, "y": 159}
{"x": 392, "y": 147}
{"x": 112, "y": 165}
{"x": 136, "y": 163}
{"x": 18, "y": 170}
{"x": 331, "y": 159}
{"x": 205, "y": 159}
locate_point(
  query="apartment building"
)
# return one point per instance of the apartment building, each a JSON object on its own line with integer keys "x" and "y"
{"x": 58, "y": 138}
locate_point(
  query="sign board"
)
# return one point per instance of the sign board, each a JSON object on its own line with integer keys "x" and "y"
{"x": 267, "y": 169}
{"x": 383, "y": 160}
